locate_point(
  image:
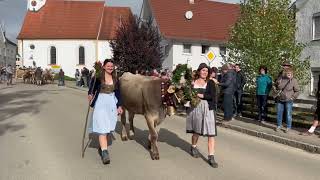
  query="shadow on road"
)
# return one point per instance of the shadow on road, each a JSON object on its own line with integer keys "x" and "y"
{"x": 18, "y": 102}
{"x": 9, "y": 127}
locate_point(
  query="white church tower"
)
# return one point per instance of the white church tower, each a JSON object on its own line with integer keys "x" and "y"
{"x": 35, "y": 5}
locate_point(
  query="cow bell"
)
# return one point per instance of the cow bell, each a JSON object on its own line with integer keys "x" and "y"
{"x": 171, "y": 110}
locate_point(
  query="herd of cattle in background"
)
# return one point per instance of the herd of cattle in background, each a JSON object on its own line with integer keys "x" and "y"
{"x": 35, "y": 76}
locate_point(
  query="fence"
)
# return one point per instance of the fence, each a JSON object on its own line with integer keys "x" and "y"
{"x": 302, "y": 113}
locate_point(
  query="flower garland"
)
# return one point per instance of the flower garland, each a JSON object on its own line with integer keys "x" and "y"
{"x": 182, "y": 79}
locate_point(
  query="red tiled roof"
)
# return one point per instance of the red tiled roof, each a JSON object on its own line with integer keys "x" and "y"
{"x": 212, "y": 21}
{"x": 111, "y": 21}
{"x": 60, "y": 19}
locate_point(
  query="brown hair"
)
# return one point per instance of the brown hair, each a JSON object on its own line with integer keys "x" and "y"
{"x": 102, "y": 78}
{"x": 201, "y": 66}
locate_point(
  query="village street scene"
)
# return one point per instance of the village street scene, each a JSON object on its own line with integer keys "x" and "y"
{"x": 159, "y": 89}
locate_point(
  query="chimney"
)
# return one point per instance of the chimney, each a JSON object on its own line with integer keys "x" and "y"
{"x": 191, "y": 1}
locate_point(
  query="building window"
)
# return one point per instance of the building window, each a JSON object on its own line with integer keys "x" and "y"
{"x": 32, "y": 46}
{"x": 316, "y": 26}
{"x": 223, "y": 50}
{"x": 204, "y": 49}
{"x": 81, "y": 55}
{"x": 167, "y": 50}
{"x": 187, "y": 48}
{"x": 53, "y": 55}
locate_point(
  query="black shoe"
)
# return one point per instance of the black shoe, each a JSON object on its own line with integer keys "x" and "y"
{"x": 105, "y": 157}
{"x": 194, "y": 152}
{"x": 212, "y": 162}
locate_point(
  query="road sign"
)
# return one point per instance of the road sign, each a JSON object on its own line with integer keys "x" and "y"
{"x": 210, "y": 56}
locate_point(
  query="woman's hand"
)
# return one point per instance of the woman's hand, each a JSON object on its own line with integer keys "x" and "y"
{"x": 90, "y": 98}
{"x": 200, "y": 96}
{"x": 120, "y": 110}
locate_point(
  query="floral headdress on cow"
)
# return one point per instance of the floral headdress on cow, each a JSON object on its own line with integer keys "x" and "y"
{"x": 182, "y": 79}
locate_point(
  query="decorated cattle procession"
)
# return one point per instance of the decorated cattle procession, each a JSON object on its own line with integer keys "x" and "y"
{"x": 155, "y": 96}
{"x": 35, "y": 76}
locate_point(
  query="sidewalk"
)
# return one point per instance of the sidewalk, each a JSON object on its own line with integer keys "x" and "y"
{"x": 264, "y": 131}
{"x": 72, "y": 84}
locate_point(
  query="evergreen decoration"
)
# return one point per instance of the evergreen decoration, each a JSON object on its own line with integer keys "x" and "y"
{"x": 182, "y": 79}
{"x": 98, "y": 69}
{"x": 265, "y": 35}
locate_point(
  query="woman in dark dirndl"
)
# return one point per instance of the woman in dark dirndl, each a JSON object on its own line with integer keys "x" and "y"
{"x": 104, "y": 95}
{"x": 201, "y": 119}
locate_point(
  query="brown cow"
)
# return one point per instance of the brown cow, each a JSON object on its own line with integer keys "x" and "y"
{"x": 142, "y": 95}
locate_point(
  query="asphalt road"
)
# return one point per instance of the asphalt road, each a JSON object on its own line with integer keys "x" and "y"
{"x": 40, "y": 138}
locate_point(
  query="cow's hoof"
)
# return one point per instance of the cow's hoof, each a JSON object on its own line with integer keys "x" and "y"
{"x": 124, "y": 138}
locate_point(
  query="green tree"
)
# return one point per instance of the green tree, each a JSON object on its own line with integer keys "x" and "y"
{"x": 265, "y": 35}
{"x": 137, "y": 46}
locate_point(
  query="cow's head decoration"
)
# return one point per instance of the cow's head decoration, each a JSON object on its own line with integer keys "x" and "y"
{"x": 179, "y": 91}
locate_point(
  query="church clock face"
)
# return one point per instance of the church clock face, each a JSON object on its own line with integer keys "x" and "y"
{"x": 36, "y": 5}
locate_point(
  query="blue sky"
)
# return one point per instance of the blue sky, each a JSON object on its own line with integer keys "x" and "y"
{"x": 12, "y": 12}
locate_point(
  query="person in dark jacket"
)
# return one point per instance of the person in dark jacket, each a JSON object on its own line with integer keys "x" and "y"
{"x": 104, "y": 97}
{"x": 61, "y": 78}
{"x": 227, "y": 84}
{"x": 201, "y": 119}
{"x": 240, "y": 82}
{"x": 84, "y": 76}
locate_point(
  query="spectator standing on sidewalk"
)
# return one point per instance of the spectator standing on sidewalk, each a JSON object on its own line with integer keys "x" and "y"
{"x": 289, "y": 91}
{"x": 84, "y": 76}
{"x": 77, "y": 77}
{"x": 213, "y": 76}
{"x": 240, "y": 82}
{"x": 264, "y": 84}
{"x": 61, "y": 78}
{"x": 9, "y": 72}
{"x": 227, "y": 87}
{"x": 316, "y": 115}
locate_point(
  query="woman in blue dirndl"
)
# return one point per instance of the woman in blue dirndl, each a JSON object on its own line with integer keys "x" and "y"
{"x": 104, "y": 95}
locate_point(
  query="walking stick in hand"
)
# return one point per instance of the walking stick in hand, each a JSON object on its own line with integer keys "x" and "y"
{"x": 84, "y": 134}
{"x": 84, "y": 147}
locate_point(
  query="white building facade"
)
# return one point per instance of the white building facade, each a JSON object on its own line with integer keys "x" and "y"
{"x": 68, "y": 54}
{"x": 308, "y": 33}
{"x": 71, "y": 41}
{"x": 186, "y": 40}
{"x": 8, "y": 50}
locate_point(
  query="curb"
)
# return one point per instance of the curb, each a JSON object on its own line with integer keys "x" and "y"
{"x": 72, "y": 87}
{"x": 292, "y": 143}
{"x": 285, "y": 141}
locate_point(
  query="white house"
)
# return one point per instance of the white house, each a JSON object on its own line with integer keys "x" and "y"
{"x": 8, "y": 49}
{"x": 70, "y": 34}
{"x": 308, "y": 33}
{"x": 190, "y": 28}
